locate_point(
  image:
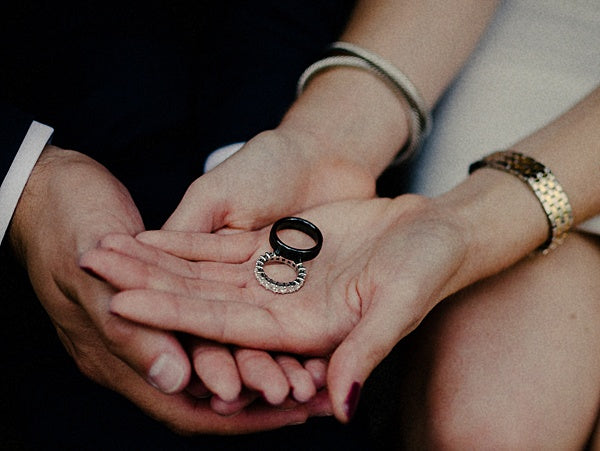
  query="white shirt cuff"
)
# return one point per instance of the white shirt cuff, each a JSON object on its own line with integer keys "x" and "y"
{"x": 220, "y": 155}
{"x": 14, "y": 182}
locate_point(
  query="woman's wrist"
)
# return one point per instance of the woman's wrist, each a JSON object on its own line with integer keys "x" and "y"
{"x": 350, "y": 115}
{"x": 325, "y": 175}
{"x": 502, "y": 219}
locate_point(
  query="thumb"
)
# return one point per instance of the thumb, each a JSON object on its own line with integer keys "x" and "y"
{"x": 197, "y": 211}
{"x": 356, "y": 357}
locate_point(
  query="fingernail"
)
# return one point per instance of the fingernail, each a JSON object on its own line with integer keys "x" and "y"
{"x": 297, "y": 423}
{"x": 351, "y": 402}
{"x": 166, "y": 373}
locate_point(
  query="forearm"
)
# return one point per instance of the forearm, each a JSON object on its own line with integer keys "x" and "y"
{"x": 350, "y": 113}
{"x": 503, "y": 217}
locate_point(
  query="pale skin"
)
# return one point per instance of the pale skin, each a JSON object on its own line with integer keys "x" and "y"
{"x": 508, "y": 359}
{"x": 317, "y": 154}
{"x": 324, "y": 150}
{"x": 346, "y": 128}
{"x": 336, "y": 174}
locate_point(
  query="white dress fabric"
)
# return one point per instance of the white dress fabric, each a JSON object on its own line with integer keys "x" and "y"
{"x": 535, "y": 61}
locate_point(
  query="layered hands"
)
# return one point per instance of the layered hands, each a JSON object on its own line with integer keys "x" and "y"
{"x": 383, "y": 266}
{"x": 70, "y": 203}
{"x": 229, "y": 378}
{"x": 88, "y": 203}
{"x": 291, "y": 165}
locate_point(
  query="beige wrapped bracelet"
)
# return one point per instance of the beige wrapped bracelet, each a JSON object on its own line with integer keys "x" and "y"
{"x": 344, "y": 54}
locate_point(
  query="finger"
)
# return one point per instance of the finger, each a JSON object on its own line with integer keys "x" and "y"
{"x": 187, "y": 216}
{"x": 320, "y": 405}
{"x": 239, "y": 323}
{"x": 215, "y": 366}
{"x": 124, "y": 273}
{"x": 192, "y": 416}
{"x": 245, "y": 399}
{"x": 318, "y": 371}
{"x": 197, "y": 389}
{"x": 184, "y": 413}
{"x": 154, "y": 354}
{"x": 210, "y": 271}
{"x": 128, "y": 245}
{"x": 258, "y": 417}
{"x": 235, "y": 406}
{"x": 361, "y": 351}
{"x": 299, "y": 379}
{"x": 228, "y": 273}
{"x": 232, "y": 248}
{"x": 261, "y": 373}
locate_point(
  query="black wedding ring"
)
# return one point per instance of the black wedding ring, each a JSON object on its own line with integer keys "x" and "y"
{"x": 292, "y": 253}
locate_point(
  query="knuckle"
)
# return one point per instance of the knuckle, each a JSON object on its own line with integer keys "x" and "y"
{"x": 113, "y": 240}
{"x": 87, "y": 366}
{"x": 92, "y": 363}
{"x": 117, "y": 333}
{"x": 249, "y": 356}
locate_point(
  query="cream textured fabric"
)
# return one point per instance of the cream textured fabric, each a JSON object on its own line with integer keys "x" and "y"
{"x": 536, "y": 60}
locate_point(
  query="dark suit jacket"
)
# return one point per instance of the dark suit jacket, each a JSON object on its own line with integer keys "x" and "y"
{"x": 14, "y": 127}
{"x": 150, "y": 89}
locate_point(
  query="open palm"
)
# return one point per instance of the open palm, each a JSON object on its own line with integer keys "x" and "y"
{"x": 384, "y": 264}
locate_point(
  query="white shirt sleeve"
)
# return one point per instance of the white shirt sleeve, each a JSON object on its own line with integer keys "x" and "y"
{"x": 14, "y": 182}
{"x": 220, "y": 155}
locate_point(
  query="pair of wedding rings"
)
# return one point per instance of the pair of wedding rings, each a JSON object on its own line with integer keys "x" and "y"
{"x": 288, "y": 255}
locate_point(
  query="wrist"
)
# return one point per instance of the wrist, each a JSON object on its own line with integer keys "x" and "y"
{"x": 319, "y": 172}
{"x": 69, "y": 192}
{"x": 352, "y": 116}
{"x": 501, "y": 218}
{"x": 32, "y": 195}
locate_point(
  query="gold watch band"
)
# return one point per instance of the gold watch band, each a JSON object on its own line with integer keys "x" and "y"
{"x": 545, "y": 186}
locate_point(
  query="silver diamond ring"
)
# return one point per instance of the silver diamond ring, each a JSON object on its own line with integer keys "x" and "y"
{"x": 274, "y": 285}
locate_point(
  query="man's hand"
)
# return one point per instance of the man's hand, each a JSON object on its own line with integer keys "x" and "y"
{"x": 69, "y": 204}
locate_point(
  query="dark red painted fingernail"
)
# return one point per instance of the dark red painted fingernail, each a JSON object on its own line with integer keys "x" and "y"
{"x": 351, "y": 402}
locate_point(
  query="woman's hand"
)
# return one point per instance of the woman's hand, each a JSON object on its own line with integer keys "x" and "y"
{"x": 384, "y": 264}
{"x": 276, "y": 173}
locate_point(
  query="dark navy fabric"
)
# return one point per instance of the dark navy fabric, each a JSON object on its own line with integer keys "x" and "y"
{"x": 150, "y": 91}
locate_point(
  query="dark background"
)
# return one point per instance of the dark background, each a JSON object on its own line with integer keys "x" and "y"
{"x": 149, "y": 91}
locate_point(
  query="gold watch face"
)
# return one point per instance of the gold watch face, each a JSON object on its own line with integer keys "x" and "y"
{"x": 526, "y": 166}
